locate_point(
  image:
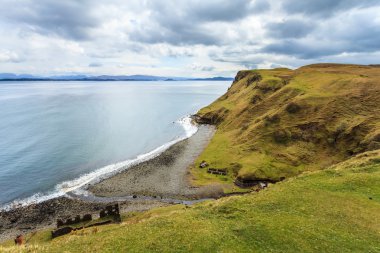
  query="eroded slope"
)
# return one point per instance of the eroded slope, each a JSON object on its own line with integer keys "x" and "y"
{"x": 273, "y": 124}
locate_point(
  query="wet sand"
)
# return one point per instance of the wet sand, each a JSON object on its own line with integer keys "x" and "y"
{"x": 145, "y": 186}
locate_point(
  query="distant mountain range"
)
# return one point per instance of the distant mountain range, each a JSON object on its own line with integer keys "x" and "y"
{"x": 27, "y": 77}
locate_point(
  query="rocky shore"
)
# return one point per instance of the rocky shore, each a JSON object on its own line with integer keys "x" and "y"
{"x": 164, "y": 177}
{"x": 44, "y": 215}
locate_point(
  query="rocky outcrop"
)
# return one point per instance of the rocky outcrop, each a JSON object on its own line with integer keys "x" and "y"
{"x": 111, "y": 211}
{"x": 211, "y": 118}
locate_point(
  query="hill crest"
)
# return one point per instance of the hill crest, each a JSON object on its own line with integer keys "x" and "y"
{"x": 278, "y": 123}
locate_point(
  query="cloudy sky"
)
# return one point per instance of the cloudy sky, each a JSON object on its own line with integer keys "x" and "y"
{"x": 184, "y": 37}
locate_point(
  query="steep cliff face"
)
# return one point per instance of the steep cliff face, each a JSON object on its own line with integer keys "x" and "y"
{"x": 278, "y": 123}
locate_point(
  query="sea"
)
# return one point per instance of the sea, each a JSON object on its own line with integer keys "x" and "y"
{"x": 56, "y": 137}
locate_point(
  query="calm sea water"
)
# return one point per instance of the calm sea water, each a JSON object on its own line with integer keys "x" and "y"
{"x": 56, "y": 136}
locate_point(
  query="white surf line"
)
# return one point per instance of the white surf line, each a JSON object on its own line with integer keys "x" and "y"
{"x": 78, "y": 184}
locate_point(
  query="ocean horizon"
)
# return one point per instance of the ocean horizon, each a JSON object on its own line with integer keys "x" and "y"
{"x": 56, "y": 137}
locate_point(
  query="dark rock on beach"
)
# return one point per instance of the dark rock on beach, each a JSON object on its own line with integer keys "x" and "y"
{"x": 164, "y": 176}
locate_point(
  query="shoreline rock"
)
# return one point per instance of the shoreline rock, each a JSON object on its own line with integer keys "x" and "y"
{"x": 165, "y": 176}
{"x": 172, "y": 164}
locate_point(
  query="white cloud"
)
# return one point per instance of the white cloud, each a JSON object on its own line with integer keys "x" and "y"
{"x": 190, "y": 38}
{"x": 9, "y": 56}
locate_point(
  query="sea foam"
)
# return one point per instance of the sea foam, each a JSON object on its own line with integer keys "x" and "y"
{"x": 77, "y": 184}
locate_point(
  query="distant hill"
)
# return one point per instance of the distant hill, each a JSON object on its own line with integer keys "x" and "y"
{"x": 27, "y": 77}
{"x": 14, "y": 76}
{"x": 218, "y": 78}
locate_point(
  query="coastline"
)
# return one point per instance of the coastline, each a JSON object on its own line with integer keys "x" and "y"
{"x": 164, "y": 176}
{"x": 152, "y": 183}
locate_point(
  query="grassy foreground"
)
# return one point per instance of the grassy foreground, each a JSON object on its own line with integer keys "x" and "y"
{"x": 334, "y": 210}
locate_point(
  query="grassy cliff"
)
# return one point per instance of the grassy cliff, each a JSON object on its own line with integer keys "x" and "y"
{"x": 318, "y": 127}
{"x": 274, "y": 124}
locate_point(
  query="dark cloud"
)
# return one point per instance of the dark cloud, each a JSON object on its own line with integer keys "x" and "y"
{"x": 357, "y": 33}
{"x": 217, "y": 10}
{"x": 324, "y": 8}
{"x": 300, "y": 49}
{"x": 69, "y": 19}
{"x": 184, "y": 22}
{"x": 247, "y": 58}
{"x": 176, "y": 34}
{"x": 236, "y": 34}
{"x": 316, "y": 49}
{"x": 291, "y": 28}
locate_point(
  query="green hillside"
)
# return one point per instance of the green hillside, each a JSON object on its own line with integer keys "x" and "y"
{"x": 313, "y": 132}
{"x": 275, "y": 124}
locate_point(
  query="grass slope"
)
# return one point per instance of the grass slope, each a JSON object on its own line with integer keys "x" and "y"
{"x": 278, "y": 123}
{"x": 270, "y": 124}
{"x": 334, "y": 210}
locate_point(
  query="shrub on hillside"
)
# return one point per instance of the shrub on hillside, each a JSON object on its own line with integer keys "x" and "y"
{"x": 282, "y": 136}
{"x": 269, "y": 85}
{"x": 273, "y": 119}
{"x": 376, "y": 138}
{"x": 293, "y": 108}
{"x": 375, "y": 142}
{"x": 341, "y": 128}
{"x": 255, "y": 77}
{"x": 255, "y": 99}
{"x": 373, "y": 145}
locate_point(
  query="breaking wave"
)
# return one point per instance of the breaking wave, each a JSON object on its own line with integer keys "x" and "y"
{"x": 104, "y": 172}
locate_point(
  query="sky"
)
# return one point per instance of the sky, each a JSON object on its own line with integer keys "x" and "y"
{"x": 192, "y": 38}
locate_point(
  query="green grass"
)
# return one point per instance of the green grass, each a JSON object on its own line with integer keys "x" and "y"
{"x": 329, "y": 201}
{"x": 338, "y": 116}
{"x": 334, "y": 210}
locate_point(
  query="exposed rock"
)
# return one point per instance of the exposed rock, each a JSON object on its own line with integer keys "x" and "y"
{"x": 203, "y": 164}
{"x": 61, "y": 231}
{"x": 19, "y": 240}
{"x": 248, "y": 183}
{"x": 240, "y": 75}
{"x": 217, "y": 171}
{"x": 211, "y": 118}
